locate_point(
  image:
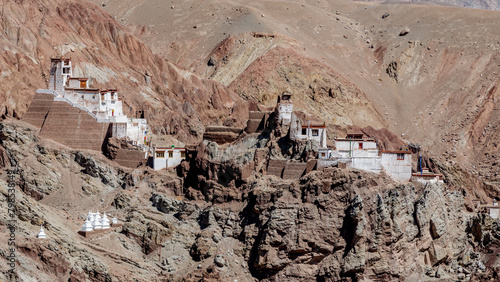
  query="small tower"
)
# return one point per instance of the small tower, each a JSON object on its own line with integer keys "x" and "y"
{"x": 60, "y": 72}
{"x": 285, "y": 108}
{"x": 105, "y": 221}
{"x": 41, "y": 234}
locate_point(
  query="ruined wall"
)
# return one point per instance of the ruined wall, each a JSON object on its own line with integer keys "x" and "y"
{"x": 294, "y": 170}
{"x": 289, "y": 170}
{"x": 256, "y": 121}
{"x": 221, "y": 134}
{"x": 130, "y": 158}
{"x": 276, "y": 167}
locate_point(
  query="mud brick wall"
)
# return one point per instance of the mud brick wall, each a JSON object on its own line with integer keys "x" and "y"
{"x": 256, "y": 121}
{"x": 294, "y": 170}
{"x": 39, "y": 108}
{"x": 73, "y": 127}
{"x": 276, "y": 167}
{"x": 130, "y": 158}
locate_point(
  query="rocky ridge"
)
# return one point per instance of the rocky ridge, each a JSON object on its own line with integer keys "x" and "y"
{"x": 330, "y": 225}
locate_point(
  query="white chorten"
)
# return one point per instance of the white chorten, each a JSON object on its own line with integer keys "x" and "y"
{"x": 87, "y": 226}
{"x": 105, "y": 221}
{"x": 114, "y": 220}
{"x": 41, "y": 234}
{"x": 97, "y": 221}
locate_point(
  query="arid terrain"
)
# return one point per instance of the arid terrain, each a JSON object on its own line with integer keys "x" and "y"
{"x": 405, "y": 73}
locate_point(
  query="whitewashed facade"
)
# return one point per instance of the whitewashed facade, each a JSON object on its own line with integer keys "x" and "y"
{"x": 167, "y": 157}
{"x": 314, "y": 132}
{"x": 103, "y": 104}
{"x": 493, "y": 210}
{"x": 285, "y": 108}
{"x": 397, "y": 164}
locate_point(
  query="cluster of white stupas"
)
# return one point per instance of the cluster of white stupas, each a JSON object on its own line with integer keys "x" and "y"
{"x": 94, "y": 221}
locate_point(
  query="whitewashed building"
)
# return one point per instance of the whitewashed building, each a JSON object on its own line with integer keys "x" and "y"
{"x": 493, "y": 210}
{"x": 104, "y": 104}
{"x": 314, "y": 132}
{"x": 167, "y": 157}
{"x": 358, "y": 152}
{"x": 397, "y": 164}
{"x": 285, "y": 108}
{"x": 356, "y": 145}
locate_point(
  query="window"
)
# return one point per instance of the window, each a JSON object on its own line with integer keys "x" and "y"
{"x": 183, "y": 154}
{"x": 65, "y": 70}
{"x": 170, "y": 154}
{"x": 315, "y": 132}
{"x": 83, "y": 84}
{"x": 323, "y": 154}
{"x": 304, "y": 131}
{"x": 401, "y": 157}
{"x": 160, "y": 154}
{"x": 360, "y": 145}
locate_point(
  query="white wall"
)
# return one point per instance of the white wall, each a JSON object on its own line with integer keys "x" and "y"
{"x": 320, "y": 138}
{"x": 399, "y": 170}
{"x": 494, "y": 212}
{"x": 343, "y": 145}
{"x": 166, "y": 161}
{"x": 285, "y": 112}
{"x": 367, "y": 164}
{"x": 425, "y": 180}
{"x": 324, "y": 154}
{"x": 136, "y": 128}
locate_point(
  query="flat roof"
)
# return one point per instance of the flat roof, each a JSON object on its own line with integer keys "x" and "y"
{"x": 83, "y": 89}
{"x": 169, "y": 148}
{"x": 397, "y": 152}
{"x": 347, "y": 139}
{"x": 426, "y": 174}
{"x": 314, "y": 126}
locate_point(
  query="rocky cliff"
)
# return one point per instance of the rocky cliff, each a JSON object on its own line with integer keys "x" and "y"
{"x": 330, "y": 225}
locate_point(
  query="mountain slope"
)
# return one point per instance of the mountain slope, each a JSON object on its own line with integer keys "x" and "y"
{"x": 436, "y": 85}
{"x": 174, "y": 101}
{"x": 475, "y": 4}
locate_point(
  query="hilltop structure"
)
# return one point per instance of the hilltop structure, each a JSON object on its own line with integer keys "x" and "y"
{"x": 353, "y": 151}
{"x": 360, "y": 152}
{"x": 90, "y": 115}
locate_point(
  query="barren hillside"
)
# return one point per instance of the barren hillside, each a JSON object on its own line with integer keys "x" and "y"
{"x": 475, "y": 4}
{"x": 427, "y": 74}
{"x": 436, "y": 85}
